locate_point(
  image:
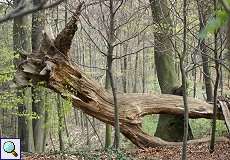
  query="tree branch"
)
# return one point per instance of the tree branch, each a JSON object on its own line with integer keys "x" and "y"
{"x": 21, "y": 11}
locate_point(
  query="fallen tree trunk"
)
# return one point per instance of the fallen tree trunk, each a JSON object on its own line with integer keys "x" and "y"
{"x": 225, "y": 107}
{"x": 52, "y": 67}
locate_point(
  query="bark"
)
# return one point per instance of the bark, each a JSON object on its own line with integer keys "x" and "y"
{"x": 28, "y": 130}
{"x": 186, "y": 116}
{"x": 94, "y": 100}
{"x": 195, "y": 77}
{"x": 60, "y": 123}
{"x": 22, "y": 45}
{"x": 227, "y": 54}
{"x": 143, "y": 69}
{"x": 38, "y": 103}
{"x": 204, "y": 10}
{"x": 76, "y": 117}
{"x": 166, "y": 71}
{"x": 38, "y": 100}
{"x": 135, "y": 75}
{"x": 227, "y": 48}
{"x": 135, "y": 68}
{"x": 46, "y": 118}
{"x": 108, "y": 130}
{"x": 87, "y": 131}
{"x": 124, "y": 69}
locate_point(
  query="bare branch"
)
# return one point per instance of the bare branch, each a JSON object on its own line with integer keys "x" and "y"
{"x": 98, "y": 48}
{"x": 136, "y": 52}
{"x": 63, "y": 40}
{"x": 133, "y": 36}
{"x": 21, "y": 11}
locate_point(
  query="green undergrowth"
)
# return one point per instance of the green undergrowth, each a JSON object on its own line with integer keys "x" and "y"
{"x": 200, "y": 127}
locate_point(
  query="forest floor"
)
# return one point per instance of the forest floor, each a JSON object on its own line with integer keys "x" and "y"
{"x": 195, "y": 152}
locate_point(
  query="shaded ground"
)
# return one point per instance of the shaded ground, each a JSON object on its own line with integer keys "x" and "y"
{"x": 195, "y": 152}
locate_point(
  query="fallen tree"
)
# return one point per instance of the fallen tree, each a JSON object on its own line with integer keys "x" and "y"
{"x": 224, "y": 104}
{"x": 53, "y": 67}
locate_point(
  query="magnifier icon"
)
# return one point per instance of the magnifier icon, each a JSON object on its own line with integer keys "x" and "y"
{"x": 9, "y": 147}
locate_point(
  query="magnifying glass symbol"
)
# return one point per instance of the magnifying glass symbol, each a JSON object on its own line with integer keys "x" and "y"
{"x": 9, "y": 147}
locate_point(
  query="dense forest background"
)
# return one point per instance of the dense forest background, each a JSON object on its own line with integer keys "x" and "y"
{"x": 141, "y": 42}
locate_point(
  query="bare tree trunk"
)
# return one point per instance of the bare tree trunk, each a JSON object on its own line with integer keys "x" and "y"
{"x": 38, "y": 23}
{"x": 116, "y": 111}
{"x": 186, "y": 115}
{"x": 87, "y": 130}
{"x": 109, "y": 75}
{"x": 38, "y": 124}
{"x": 124, "y": 72}
{"x": 184, "y": 83}
{"x": 204, "y": 9}
{"x": 135, "y": 75}
{"x": 60, "y": 122}
{"x": 195, "y": 77}
{"x": 217, "y": 69}
{"x": 108, "y": 134}
{"x": 76, "y": 117}
{"x": 66, "y": 128}
{"x": 46, "y": 117}
{"x": 143, "y": 69}
{"x": 166, "y": 72}
{"x": 21, "y": 40}
{"x": 227, "y": 54}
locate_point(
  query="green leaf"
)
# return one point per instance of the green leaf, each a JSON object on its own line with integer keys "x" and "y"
{"x": 215, "y": 23}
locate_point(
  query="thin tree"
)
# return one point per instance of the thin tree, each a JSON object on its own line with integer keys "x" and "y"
{"x": 109, "y": 75}
{"x": 184, "y": 82}
{"x": 60, "y": 122}
{"x": 217, "y": 69}
{"x": 203, "y": 11}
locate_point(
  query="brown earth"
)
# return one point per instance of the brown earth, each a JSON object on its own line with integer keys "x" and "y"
{"x": 195, "y": 152}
